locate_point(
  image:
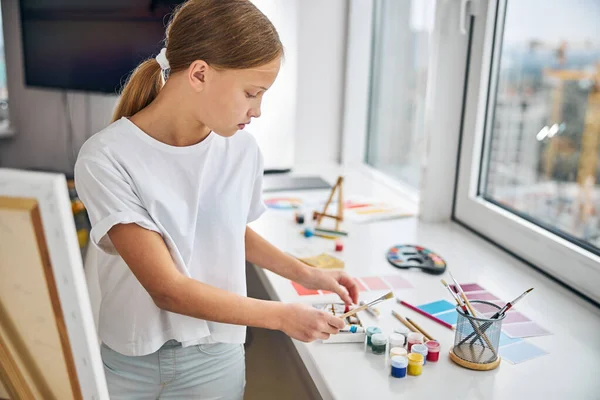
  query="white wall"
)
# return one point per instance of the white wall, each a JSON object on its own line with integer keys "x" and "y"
{"x": 39, "y": 115}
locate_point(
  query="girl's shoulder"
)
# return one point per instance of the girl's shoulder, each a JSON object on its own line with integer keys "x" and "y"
{"x": 100, "y": 145}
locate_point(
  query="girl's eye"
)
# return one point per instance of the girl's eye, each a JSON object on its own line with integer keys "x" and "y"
{"x": 250, "y": 96}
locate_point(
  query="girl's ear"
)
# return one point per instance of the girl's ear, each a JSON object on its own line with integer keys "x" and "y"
{"x": 197, "y": 74}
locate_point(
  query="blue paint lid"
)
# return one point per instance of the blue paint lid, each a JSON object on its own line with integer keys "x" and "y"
{"x": 399, "y": 362}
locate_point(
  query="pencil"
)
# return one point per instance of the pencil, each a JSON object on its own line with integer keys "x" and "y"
{"x": 405, "y": 322}
{"x": 426, "y": 314}
{"x": 428, "y": 336}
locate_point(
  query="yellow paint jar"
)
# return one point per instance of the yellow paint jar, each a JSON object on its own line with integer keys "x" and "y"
{"x": 415, "y": 364}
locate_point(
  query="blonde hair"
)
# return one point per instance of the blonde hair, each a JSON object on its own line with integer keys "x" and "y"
{"x": 226, "y": 34}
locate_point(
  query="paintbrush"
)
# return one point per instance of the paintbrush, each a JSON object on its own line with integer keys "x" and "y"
{"x": 464, "y": 296}
{"x": 371, "y": 310}
{"x": 456, "y": 298}
{"x": 510, "y": 304}
{"x": 474, "y": 324}
{"x": 387, "y": 296}
{"x": 421, "y": 330}
{"x": 405, "y": 322}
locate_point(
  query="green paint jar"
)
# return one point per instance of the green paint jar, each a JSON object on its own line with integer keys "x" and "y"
{"x": 371, "y": 330}
{"x": 378, "y": 343}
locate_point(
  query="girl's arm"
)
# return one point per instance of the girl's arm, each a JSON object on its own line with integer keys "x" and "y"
{"x": 265, "y": 255}
{"x": 149, "y": 259}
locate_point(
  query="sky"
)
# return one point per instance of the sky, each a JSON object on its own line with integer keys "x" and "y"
{"x": 552, "y": 21}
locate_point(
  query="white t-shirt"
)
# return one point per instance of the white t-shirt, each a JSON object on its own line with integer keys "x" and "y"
{"x": 199, "y": 198}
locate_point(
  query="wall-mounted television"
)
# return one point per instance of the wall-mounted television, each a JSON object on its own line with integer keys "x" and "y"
{"x": 89, "y": 45}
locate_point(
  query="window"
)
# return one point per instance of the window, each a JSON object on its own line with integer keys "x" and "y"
{"x": 384, "y": 97}
{"x": 529, "y": 171}
{"x": 398, "y": 83}
{"x": 545, "y": 122}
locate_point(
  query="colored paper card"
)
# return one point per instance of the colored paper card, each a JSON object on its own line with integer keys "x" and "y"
{"x": 514, "y": 317}
{"x": 302, "y": 291}
{"x": 449, "y": 317}
{"x": 481, "y": 296}
{"x": 374, "y": 283}
{"x": 484, "y": 309}
{"x": 470, "y": 287}
{"x": 506, "y": 340}
{"x": 361, "y": 287}
{"x": 436, "y": 307}
{"x": 525, "y": 329}
{"x": 521, "y": 351}
{"x": 397, "y": 282}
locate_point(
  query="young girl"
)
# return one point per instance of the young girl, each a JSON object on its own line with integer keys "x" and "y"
{"x": 170, "y": 187}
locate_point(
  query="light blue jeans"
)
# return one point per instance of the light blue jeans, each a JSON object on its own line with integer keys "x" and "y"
{"x": 205, "y": 371}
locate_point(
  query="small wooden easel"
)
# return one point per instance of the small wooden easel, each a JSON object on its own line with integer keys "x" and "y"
{"x": 340, "y": 212}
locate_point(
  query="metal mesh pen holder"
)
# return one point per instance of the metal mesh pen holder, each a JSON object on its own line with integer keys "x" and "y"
{"x": 477, "y": 339}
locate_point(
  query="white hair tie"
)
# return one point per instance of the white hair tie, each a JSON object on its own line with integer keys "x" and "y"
{"x": 161, "y": 59}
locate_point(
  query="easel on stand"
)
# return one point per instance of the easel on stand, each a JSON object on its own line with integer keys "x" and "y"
{"x": 340, "y": 211}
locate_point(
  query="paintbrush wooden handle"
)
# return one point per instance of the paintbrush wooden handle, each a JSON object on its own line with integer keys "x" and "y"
{"x": 420, "y": 330}
{"x": 405, "y": 322}
{"x": 354, "y": 311}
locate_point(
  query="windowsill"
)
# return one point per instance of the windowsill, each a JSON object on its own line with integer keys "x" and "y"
{"x": 409, "y": 194}
{"x": 470, "y": 258}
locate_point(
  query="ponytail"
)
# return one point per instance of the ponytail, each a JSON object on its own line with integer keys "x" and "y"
{"x": 141, "y": 89}
{"x": 226, "y": 34}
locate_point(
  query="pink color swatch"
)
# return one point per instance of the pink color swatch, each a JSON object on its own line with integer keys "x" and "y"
{"x": 361, "y": 287}
{"x": 302, "y": 291}
{"x": 397, "y": 282}
{"x": 471, "y": 287}
{"x": 481, "y": 296}
{"x": 375, "y": 283}
{"x": 514, "y": 317}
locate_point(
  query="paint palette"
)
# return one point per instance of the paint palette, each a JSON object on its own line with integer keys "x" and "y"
{"x": 409, "y": 256}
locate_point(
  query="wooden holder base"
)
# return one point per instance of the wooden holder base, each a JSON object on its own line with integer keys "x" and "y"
{"x": 474, "y": 366}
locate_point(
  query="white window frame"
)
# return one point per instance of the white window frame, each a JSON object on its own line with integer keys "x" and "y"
{"x": 443, "y": 105}
{"x": 357, "y": 98}
{"x": 552, "y": 254}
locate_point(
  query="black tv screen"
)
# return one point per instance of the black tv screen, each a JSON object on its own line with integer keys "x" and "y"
{"x": 90, "y": 45}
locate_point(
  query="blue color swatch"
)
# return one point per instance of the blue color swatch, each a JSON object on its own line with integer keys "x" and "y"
{"x": 437, "y": 307}
{"x": 521, "y": 351}
{"x": 505, "y": 339}
{"x": 449, "y": 317}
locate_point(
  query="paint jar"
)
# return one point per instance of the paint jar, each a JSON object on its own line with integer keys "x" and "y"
{"x": 371, "y": 330}
{"x": 415, "y": 364}
{"x": 394, "y": 351}
{"x": 378, "y": 343}
{"x": 402, "y": 330}
{"x": 433, "y": 350}
{"x": 420, "y": 349}
{"x": 414, "y": 338}
{"x": 397, "y": 340}
{"x": 399, "y": 366}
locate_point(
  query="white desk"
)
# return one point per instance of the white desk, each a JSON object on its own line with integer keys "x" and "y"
{"x": 345, "y": 371}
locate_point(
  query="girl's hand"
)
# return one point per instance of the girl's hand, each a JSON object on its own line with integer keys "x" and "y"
{"x": 306, "y": 323}
{"x": 335, "y": 281}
